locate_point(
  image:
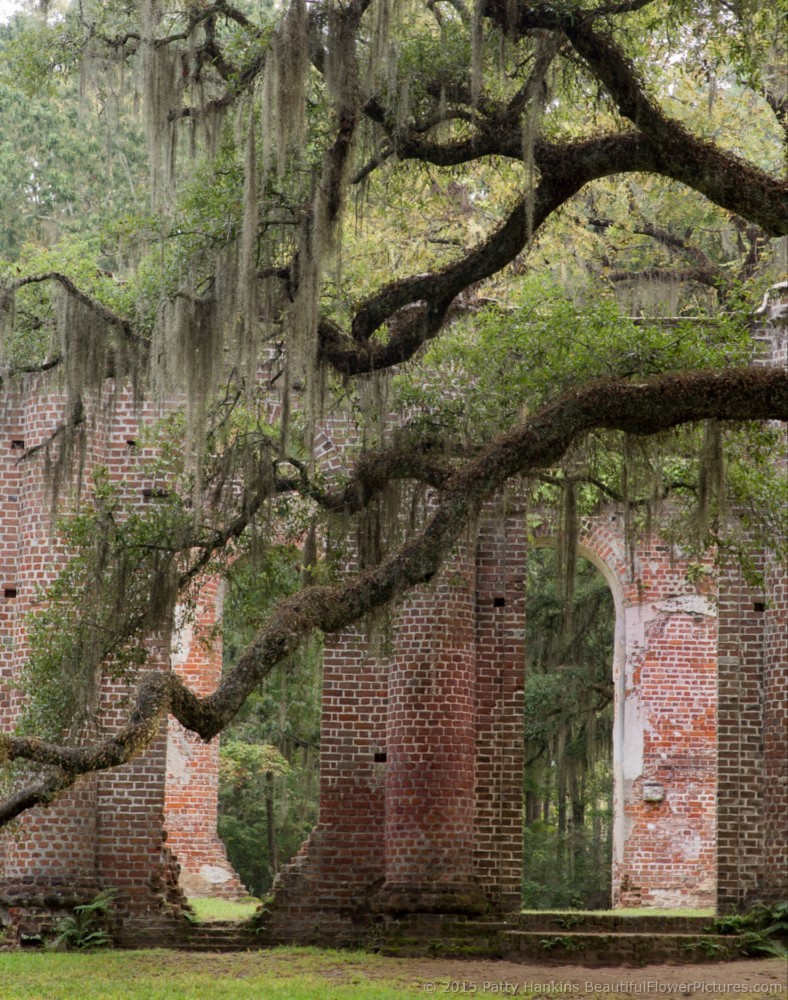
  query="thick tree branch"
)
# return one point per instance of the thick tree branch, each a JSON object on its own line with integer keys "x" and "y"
{"x": 644, "y": 407}
{"x": 701, "y": 275}
{"x": 103, "y": 312}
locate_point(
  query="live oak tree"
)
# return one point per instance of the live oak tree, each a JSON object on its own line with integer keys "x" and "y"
{"x": 332, "y": 186}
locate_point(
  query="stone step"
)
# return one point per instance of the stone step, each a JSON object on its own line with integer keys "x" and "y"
{"x": 616, "y": 947}
{"x": 225, "y": 937}
{"x": 613, "y": 923}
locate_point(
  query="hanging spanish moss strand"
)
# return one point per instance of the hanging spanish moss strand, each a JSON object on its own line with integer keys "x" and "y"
{"x": 85, "y": 343}
{"x": 291, "y": 66}
{"x": 7, "y": 322}
{"x": 477, "y": 51}
{"x": 537, "y": 96}
{"x": 381, "y": 51}
{"x": 188, "y": 342}
{"x": 711, "y": 479}
{"x": 248, "y": 298}
{"x": 267, "y": 116}
{"x": 162, "y": 78}
{"x": 569, "y": 536}
{"x": 627, "y": 473}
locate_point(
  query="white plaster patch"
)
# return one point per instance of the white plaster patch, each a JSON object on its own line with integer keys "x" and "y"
{"x": 214, "y": 874}
{"x": 688, "y": 604}
{"x": 177, "y": 756}
{"x": 691, "y": 846}
{"x": 181, "y": 642}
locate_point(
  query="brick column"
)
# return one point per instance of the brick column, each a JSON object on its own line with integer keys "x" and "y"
{"x": 323, "y": 895}
{"x": 500, "y": 674}
{"x": 191, "y": 791}
{"x": 775, "y": 734}
{"x": 740, "y": 742}
{"x": 431, "y": 749}
{"x": 59, "y": 840}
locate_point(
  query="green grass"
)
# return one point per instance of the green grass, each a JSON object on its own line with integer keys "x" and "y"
{"x": 224, "y": 909}
{"x": 281, "y": 974}
{"x": 275, "y": 974}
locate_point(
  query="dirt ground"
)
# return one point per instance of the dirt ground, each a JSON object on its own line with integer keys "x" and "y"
{"x": 458, "y": 977}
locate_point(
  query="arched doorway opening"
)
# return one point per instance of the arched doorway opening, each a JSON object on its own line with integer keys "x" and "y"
{"x": 569, "y": 697}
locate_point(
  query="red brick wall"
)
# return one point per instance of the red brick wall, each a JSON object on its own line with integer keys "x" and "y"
{"x": 192, "y": 773}
{"x": 664, "y": 739}
{"x": 110, "y": 828}
{"x": 421, "y": 761}
{"x": 450, "y": 698}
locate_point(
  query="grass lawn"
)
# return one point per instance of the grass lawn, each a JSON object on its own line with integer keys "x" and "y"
{"x": 224, "y": 909}
{"x": 282, "y": 974}
{"x": 315, "y": 974}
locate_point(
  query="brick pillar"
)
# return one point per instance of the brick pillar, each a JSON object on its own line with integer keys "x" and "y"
{"x": 740, "y": 804}
{"x": 191, "y": 802}
{"x": 431, "y": 749}
{"x": 58, "y": 841}
{"x": 107, "y": 829}
{"x": 323, "y": 896}
{"x": 500, "y": 671}
{"x": 753, "y": 739}
{"x": 775, "y": 735}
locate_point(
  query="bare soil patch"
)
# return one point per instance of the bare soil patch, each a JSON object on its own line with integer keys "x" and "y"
{"x": 767, "y": 977}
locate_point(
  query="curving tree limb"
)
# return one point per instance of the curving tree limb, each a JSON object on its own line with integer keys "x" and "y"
{"x": 639, "y": 407}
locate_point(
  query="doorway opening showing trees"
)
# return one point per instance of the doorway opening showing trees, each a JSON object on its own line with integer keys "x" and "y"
{"x": 568, "y": 731}
{"x": 268, "y": 770}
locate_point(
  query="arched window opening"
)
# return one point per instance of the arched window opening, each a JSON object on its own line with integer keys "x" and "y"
{"x": 568, "y": 777}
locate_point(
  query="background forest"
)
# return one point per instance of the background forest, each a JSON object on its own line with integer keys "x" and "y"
{"x": 173, "y": 179}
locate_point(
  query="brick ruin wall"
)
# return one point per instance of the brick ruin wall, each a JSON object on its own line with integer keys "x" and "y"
{"x": 410, "y": 822}
{"x": 152, "y": 823}
{"x": 422, "y": 761}
{"x": 422, "y": 749}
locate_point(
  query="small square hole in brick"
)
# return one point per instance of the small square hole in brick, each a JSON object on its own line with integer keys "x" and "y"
{"x": 18, "y": 444}
{"x": 9, "y": 593}
{"x": 380, "y": 757}
{"x": 759, "y": 606}
{"x": 499, "y": 602}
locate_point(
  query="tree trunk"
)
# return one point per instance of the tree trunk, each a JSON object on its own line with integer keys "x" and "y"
{"x": 269, "y": 821}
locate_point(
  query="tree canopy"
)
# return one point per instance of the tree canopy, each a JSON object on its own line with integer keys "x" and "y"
{"x": 438, "y": 217}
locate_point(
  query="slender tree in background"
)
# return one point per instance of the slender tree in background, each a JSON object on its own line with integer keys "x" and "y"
{"x": 349, "y": 192}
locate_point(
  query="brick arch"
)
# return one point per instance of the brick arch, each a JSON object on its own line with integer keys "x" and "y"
{"x": 665, "y": 715}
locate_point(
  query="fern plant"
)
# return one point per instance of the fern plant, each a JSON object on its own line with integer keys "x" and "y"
{"x": 88, "y": 925}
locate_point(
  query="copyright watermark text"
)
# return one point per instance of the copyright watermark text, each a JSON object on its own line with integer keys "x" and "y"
{"x": 652, "y": 987}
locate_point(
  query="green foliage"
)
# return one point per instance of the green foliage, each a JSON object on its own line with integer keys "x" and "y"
{"x": 69, "y": 163}
{"x": 763, "y": 929}
{"x": 239, "y": 762}
{"x": 89, "y": 925}
{"x": 505, "y": 362}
